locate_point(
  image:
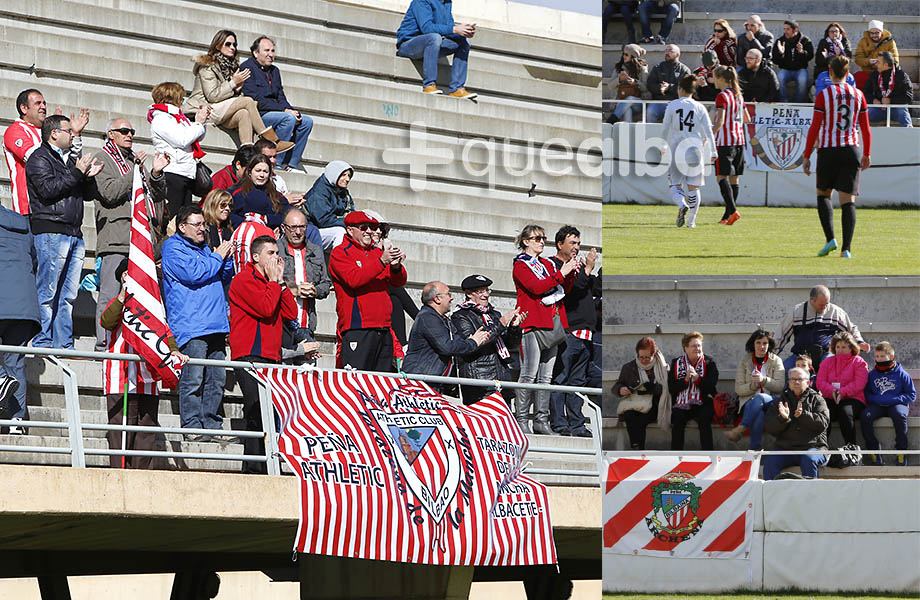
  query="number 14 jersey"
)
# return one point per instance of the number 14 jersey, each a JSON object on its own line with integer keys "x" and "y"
{"x": 684, "y": 119}
{"x": 841, "y": 104}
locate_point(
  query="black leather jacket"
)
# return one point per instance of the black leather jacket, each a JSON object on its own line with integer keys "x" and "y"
{"x": 484, "y": 362}
{"x": 57, "y": 191}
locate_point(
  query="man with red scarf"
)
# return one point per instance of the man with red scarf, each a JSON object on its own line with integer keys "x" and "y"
{"x": 890, "y": 84}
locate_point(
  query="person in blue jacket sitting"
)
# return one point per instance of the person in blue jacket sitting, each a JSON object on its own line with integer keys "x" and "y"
{"x": 889, "y": 393}
{"x": 328, "y": 201}
{"x": 428, "y": 32}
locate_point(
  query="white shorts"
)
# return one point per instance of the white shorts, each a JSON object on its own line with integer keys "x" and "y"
{"x": 687, "y": 169}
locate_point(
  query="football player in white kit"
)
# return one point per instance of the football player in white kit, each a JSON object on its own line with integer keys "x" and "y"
{"x": 687, "y": 127}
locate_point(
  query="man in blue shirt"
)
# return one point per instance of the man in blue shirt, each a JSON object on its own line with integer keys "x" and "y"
{"x": 428, "y": 32}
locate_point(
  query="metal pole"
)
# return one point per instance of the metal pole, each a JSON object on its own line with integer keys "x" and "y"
{"x": 598, "y": 421}
{"x": 268, "y": 424}
{"x": 72, "y": 401}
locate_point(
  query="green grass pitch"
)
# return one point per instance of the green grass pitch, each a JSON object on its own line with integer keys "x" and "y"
{"x": 643, "y": 240}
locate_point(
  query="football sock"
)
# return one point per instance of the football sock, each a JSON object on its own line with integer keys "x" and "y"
{"x": 693, "y": 201}
{"x": 735, "y": 189}
{"x": 826, "y": 214}
{"x": 677, "y": 195}
{"x": 727, "y": 197}
{"x": 849, "y": 224}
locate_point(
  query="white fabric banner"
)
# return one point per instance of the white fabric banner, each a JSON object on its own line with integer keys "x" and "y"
{"x": 776, "y": 137}
{"x": 680, "y": 506}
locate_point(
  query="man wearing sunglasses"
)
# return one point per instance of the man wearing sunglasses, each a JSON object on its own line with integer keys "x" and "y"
{"x": 361, "y": 274}
{"x": 114, "y": 191}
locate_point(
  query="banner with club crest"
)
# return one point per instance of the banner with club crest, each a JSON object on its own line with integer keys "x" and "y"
{"x": 776, "y": 137}
{"x": 391, "y": 470}
{"x": 679, "y": 506}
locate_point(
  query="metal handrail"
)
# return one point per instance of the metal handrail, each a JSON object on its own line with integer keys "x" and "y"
{"x": 271, "y": 457}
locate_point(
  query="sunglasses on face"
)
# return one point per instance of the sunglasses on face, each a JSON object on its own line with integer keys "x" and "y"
{"x": 371, "y": 226}
{"x": 538, "y": 238}
{"x": 124, "y": 130}
{"x": 230, "y": 44}
{"x": 719, "y": 30}
{"x": 225, "y": 205}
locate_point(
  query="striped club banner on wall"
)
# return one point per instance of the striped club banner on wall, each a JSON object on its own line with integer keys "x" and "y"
{"x": 680, "y": 506}
{"x": 390, "y": 470}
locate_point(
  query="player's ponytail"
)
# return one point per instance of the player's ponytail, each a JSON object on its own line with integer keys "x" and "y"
{"x": 688, "y": 84}
{"x": 729, "y": 76}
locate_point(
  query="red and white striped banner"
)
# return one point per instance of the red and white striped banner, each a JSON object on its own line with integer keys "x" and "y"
{"x": 144, "y": 325}
{"x": 685, "y": 507}
{"x": 390, "y": 470}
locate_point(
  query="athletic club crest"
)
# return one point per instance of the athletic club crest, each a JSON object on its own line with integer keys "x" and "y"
{"x": 779, "y": 147}
{"x": 423, "y": 447}
{"x": 675, "y": 502}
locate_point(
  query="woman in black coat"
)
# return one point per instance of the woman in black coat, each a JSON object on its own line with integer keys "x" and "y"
{"x": 834, "y": 43}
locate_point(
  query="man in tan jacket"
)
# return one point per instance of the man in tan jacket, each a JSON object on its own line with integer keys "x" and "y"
{"x": 874, "y": 40}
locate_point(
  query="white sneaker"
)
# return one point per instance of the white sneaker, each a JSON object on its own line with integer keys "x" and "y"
{"x": 690, "y": 225}
{"x": 17, "y": 429}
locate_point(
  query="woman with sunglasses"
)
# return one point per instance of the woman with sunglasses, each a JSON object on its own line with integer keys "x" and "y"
{"x": 219, "y": 84}
{"x": 629, "y": 84}
{"x": 540, "y": 290}
{"x": 216, "y": 207}
{"x": 643, "y": 392}
{"x": 724, "y": 42}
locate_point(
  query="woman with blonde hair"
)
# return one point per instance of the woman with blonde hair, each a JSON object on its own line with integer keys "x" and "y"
{"x": 216, "y": 207}
{"x": 219, "y": 84}
{"x": 728, "y": 126}
{"x": 842, "y": 381}
{"x": 174, "y": 134}
{"x": 724, "y": 42}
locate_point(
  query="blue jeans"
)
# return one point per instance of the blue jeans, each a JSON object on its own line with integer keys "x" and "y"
{"x": 897, "y": 413}
{"x": 60, "y": 261}
{"x": 809, "y": 463}
{"x": 627, "y": 11}
{"x": 752, "y": 418}
{"x": 800, "y": 77}
{"x": 565, "y": 408}
{"x": 289, "y": 130}
{"x": 654, "y": 113}
{"x": 201, "y": 389}
{"x": 15, "y": 332}
{"x": 431, "y": 46}
{"x": 898, "y": 115}
{"x": 631, "y": 112}
{"x": 651, "y": 6}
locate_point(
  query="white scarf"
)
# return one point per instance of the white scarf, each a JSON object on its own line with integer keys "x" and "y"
{"x": 539, "y": 269}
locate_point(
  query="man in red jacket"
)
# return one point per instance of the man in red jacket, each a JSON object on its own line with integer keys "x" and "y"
{"x": 361, "y": 274}
{"x": 259, "y": 301}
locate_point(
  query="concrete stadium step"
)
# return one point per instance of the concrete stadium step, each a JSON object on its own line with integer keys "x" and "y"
{"x": 340, "y": 95}
{"x": 616, "y": 437}
{"x": 370, "y": 56}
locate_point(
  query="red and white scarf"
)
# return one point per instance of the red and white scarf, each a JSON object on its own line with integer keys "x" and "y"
{"x": 886, "y": 93}
{"x": 489, "y": 322}
{"x": 114, "y": 153}
{"x": 759, "y": 368}
{"x": 690, "y": 396}
{"x": 169, "y": 109}
{"x": 539, "y": 269}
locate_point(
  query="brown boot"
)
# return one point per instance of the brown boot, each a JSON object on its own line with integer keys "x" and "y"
{"x": 270, "y": 135}
{"x": 735, "y": 433}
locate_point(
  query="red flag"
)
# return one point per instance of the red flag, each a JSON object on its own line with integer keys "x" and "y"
{"x": 390, "y": 470}
{"x": 144, "y": 320}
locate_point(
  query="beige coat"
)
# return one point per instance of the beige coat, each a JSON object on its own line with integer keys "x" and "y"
{"x": 210, "y": 88}
{"x": 867, "y": 49}
{"x": 773, "y": 384}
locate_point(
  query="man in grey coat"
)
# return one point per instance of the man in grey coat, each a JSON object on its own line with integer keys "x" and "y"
{"x": 304, "y": 268}
{"x": 115, "y": 184}
{"x": 19, "y": 317}
{"x": 757, "y": 37}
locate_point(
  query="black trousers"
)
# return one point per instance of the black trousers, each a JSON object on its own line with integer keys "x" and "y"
{"x": 702, "y": 414}
{"x": 636, "y": 423}
{"x": 846, "y": 414}
{"x": 142, "y": 410}
{"x": 252, "y": 415}
{"x": 178, "y": 194}
{"x": 368, "y": 349}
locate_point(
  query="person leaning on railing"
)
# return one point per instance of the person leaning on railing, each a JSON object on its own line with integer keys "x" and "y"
{"x": 890, "y": 84}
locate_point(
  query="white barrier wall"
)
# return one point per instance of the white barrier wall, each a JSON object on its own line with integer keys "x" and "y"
{"x": 826, "y": 535}
{"x": 884, "y": 184}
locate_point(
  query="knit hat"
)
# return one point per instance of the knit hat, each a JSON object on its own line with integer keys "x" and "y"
{"x": 876, "y": 24}
{"x": 635, "y": 49}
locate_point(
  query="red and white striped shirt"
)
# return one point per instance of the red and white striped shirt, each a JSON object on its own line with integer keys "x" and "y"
{"x": 841, "y": 104}
{"x": 583, "y": 334}
{"x": 300, "y": 276}
{"x": 244, "y": 234}
{"x": 19, "y": 142}
{"x": 731, "y": 133}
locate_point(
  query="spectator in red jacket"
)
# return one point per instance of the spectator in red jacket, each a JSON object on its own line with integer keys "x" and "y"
{"x": 226, "y": 177}
{"x": 259, "y": 301}
{"x": 540, "y": 290}
{"x": 361, "y": 275}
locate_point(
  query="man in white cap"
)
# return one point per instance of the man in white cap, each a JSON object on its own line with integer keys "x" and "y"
{"x": 874, "y": 40}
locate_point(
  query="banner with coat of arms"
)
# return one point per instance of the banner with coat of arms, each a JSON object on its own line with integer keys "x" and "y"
{"x": 679, "y": 506}
{"x": 391, "y": 470}
{"x": 776, "y": 137}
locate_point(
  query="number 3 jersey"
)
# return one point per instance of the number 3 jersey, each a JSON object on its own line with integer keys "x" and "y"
{"x": 687, "y": 125}
{"x": 841, "y": 104}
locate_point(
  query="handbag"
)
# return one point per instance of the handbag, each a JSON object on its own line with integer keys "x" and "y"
{"x": 549, "y": 338}
{"x": 203, "y": 183}
{"x": 628, "y": 89}
{"x": 638, "y": 402}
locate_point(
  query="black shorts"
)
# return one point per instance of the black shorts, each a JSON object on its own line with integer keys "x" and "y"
{"x": 731, "y": 161}
{"x": 838, "y": 169}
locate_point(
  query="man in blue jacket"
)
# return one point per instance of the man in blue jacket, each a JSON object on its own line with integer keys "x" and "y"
{"x": 889, "y": 393}
{"x": 428, "y": 32}
{"x": 196, "y": 309}
{"x": 264, "y": 86}
{"x": 434, "y": 340}
{"x": 19, "y": 319}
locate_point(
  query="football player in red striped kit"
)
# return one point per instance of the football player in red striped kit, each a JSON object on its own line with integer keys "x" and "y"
{"x": 728, "y": 127}
{"x": 840, "y": 117}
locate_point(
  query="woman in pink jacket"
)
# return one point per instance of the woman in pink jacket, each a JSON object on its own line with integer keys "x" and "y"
{"x": 841, "y": 380}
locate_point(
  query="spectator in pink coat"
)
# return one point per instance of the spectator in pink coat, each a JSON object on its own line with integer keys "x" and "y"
{"x": 842, "y": 381}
